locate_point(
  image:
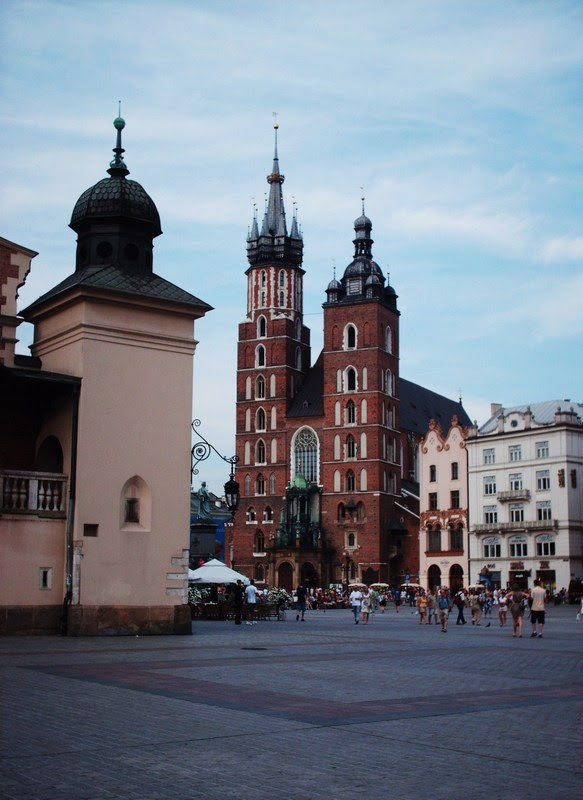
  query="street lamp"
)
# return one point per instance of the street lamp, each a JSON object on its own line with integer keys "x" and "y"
{"x": 200, "y": 452}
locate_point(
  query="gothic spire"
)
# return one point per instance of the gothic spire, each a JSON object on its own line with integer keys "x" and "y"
{"x": 274, "y": 219}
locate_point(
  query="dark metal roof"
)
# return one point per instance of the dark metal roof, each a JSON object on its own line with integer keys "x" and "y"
{"x": 420, "y": 405}
{"x": 116, "y": 197}
{"x": 113, "y": 279}
{"x": 309, "y": 401}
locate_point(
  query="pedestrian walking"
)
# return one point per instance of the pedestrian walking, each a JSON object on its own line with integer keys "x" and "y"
{"x": 397, "y": 599}
{"x": 537, "y": 609}
{"x": 475, "y": 608}
{"x": 460, "y": 604}
{"x": 251, "y": 593}
{"x": 431, "y": 607}
{"x": 366, "y": 605}
{"x": 443, "y": 605}
{"x": 517, "y": 600}
{"x": 238, "y": 593}
{"x": 355, "y": 601}
{"x": 301, "y": 604}
{"x": 502, "y": 607}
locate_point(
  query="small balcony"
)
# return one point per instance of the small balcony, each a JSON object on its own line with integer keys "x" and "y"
{"x": 40, "y": 494}
{"x": 508, "y": 527}
{"x": 513, "y": 494}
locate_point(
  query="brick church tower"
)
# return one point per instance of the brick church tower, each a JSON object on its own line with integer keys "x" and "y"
{"x": 326, "y": 452}
{"x": 361, "y": 464}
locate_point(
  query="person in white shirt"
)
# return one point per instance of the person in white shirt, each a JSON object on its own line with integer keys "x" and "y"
{"x": 355, "y": 600}
{"x": 251, "y": 593}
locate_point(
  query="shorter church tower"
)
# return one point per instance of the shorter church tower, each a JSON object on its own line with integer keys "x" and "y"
{"x": 361, "y": 471}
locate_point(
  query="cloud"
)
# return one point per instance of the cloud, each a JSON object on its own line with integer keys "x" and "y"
{"x": 563, "y": 248}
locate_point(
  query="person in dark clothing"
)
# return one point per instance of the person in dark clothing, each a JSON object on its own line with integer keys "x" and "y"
{"x": 238, "y": 600}
{"x": 301, "y": 595}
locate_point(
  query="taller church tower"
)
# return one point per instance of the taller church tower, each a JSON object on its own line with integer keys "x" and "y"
{"x": 273, "y": 359}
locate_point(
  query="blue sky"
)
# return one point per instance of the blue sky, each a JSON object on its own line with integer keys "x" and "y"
{"x": 462, "y": 120}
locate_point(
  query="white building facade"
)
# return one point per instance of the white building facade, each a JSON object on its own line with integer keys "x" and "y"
{"x": 443, "y": 534}
{"x": 525, "y": 473}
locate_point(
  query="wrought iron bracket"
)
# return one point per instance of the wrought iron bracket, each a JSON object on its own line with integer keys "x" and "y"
{"x": 202, "y": 450}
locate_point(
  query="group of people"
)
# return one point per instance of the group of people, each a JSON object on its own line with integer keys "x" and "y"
{"x": 436, "y": 607}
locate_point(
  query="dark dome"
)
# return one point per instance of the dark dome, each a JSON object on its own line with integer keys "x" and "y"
{"x": 373, "y": 280}
{"x": 362, "y": 266}
{"x": 362, "y": 222}
{"x": 334, "y": 285}
{"x": 117, "y": 196}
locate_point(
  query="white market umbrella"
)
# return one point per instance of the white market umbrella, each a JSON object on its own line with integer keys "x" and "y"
{"x": 214, "y": 571}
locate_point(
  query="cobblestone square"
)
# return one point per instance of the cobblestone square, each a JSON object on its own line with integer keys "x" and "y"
{"x": 318, "y": 710}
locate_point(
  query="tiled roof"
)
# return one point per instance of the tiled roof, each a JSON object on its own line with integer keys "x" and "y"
{"x": 420, "y": 405}
{"x": 112, "y": 278}
{"x": 542, "y": 413}
{"x": 309, "y": 401}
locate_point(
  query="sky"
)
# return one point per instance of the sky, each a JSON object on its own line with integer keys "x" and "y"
{"x": 459, "y": 121}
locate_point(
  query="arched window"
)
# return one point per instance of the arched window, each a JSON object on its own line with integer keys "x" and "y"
{"x": 363, "y": 480}
{"x": 261, "y": 327}
{"x": 338, "y": 380}
{"x": 259, "y": 545}
{"x": 364, "y": 378}
{"x": 268, "y": 514}
{"x": 273, "y": 418}
{"x": 281, "y": 279}
{"x": 260, "y": 484}
{"x": 247, "y": 453}
{"x": 49, "y": 457}
{"x": 260, "y": 388}
{"x": 350, "y": 447}
{"x": 364, "y": 412}
{"x": 260, "y": 452}
{"x": 263, "y": 278}
{"x": 360, "y": 512}
{"x": 263, "y": 298}
{"x": 350, "y": 413}
{"x": 250, "y": 514}
{"x": 272, "y": 386}
{"x": 281, "y": 299}
{"x": 260, "y": 356}
{"x": 351, "y": 540}
{"x": 135, "y": 505}
{"x": 389, "y": 339}
{"x": 272, "y": 483}
{"x": 274, "y": 451}
{"x": 260, "y": 420}
{"x": 298, "y": 358}
{"x": 305, "y": 449}
{"x": 350, "y": 483}
{"x": 248, "y": 388}
{"x": 248, "y": 419}
{"x": 349, "y": 337}
{"x": 350, "y": 380}
{"x": 259, "y": 573}
{"x": 247, "y": 489}
{"x": 337, "y": 448}
{"x": 363, "y": 446}
{"x": 336, "y": 480}
{"x": 337, "y": 413}
{"x": 389, "y": 382}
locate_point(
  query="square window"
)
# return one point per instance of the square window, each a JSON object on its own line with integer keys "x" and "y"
{"x": 455, "y": 499}
{"x": 432, "y": 473}
{"x": 454, "y": 471}
{"x": 490, "y": 484}
{"x": 542, "y": 449}
{"x": 515, "y": 452}
{"x": 90, "y": 530}
{"x": 489, "y": 455}
{"x": 45, "y": 578}
{"x": 490, "y": 514}
{"x": 543, "y": 480}
{"x": 432, "y": 501}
